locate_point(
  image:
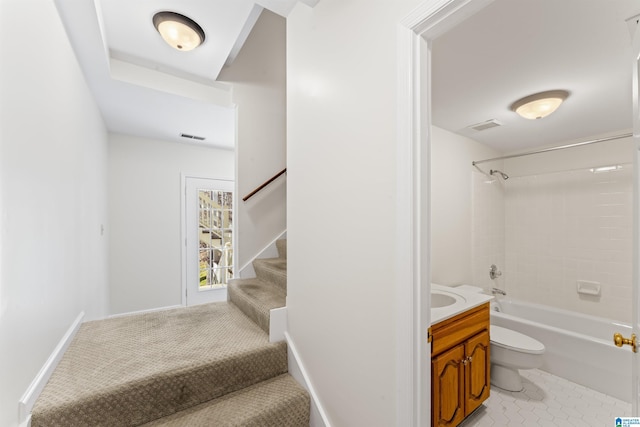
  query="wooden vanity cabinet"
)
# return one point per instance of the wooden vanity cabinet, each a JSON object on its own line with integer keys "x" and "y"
{"x": 460, "y": 366}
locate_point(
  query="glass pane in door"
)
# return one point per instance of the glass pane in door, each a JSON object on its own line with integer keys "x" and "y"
{"x": 215, "y": 238}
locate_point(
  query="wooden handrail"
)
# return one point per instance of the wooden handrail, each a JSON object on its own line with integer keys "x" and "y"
{"x": 269, "y": 181}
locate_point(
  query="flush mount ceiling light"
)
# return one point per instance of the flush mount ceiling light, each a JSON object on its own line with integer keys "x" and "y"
{"x": 605, "y": 169}
{"x": 539, "y": 105}
{"x": 179, "y": 31}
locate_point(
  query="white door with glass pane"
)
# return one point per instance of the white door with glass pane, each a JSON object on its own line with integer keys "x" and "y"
{"x": 208, "y": 229}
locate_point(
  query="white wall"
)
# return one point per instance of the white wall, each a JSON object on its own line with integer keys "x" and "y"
{"x": 258, "y": 76}
{"x": 52, "y": 196}
{"x": 455, "y": 212}
{"x": 144, "y": 213}
{"x": 341, "y": 192}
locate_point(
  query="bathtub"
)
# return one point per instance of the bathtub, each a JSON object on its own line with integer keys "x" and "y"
{"x": 578, "y": 347}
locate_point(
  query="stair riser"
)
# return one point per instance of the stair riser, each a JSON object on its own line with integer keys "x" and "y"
{"x": 275, "y": 277}
{"x": 294, "y": 414}
{"x": 282, "y": 248}
{"x": 278, "y": 402}
{"x": 237, "y": 297}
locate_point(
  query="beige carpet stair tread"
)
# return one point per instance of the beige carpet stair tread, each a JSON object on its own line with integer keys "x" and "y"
{"x": 273, "y": 270}
{"x": 256, "y": 299}
{"x": 277, "y": 402}
{"x": 130, "y": 370}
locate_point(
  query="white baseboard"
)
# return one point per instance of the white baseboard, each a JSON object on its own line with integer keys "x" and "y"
{"x": 298, "y": 372}
{"x": 28, "y": 399}
{"x": 150, "y": 310}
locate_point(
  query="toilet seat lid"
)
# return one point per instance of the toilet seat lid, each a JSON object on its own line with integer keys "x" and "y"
{"x": 509, "y": 339}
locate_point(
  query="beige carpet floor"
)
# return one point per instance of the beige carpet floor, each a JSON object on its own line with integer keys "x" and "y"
{"x": 131, "y": 370}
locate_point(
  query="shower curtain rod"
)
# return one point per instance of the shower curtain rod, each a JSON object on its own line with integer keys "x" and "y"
{"x": 562, "y": 147}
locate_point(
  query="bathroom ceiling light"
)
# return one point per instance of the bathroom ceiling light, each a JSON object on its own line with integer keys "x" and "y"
{"x": 539, "y": 105}
{"x": 179, "y": 31}
{"x": 605, "y": 169}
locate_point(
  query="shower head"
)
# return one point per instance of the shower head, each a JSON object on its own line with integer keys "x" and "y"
{"x": 502, "y": 174}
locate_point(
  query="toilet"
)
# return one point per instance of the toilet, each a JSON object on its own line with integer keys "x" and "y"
{"x": 510, "y": 351}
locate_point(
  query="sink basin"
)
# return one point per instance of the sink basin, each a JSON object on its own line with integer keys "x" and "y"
{"x": 441, "y": 299}
{"x": 448, "y": 301}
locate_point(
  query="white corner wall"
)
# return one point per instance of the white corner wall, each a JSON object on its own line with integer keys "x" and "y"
{"x": 452, "y": 206}
{"x": 144, "y": 212}
{"x": 53, "y": 263}
{"x": 341, "y": 193}
{"x": 258, "y": 76}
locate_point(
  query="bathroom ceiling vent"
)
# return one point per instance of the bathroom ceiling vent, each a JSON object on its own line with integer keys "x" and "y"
{"x": 485, "y": 125}
{"x": 198, "y": 138}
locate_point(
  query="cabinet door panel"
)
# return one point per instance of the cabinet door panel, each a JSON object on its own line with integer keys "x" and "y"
{"x": 448, "y": 387}
{"x": 478, "y": 370}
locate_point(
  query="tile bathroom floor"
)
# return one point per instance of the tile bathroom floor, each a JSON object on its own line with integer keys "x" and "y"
{"x": 548, "y": 400}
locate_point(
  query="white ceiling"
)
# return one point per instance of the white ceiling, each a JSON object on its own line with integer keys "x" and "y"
{"x": 510, "y": 49}
{"x": 145, "y": 88}
{"x": 514, "y": 48}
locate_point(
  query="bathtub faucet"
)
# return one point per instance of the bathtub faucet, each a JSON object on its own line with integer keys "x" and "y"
{"x": 493, "y": 272}
{"x": 497, "y": 291}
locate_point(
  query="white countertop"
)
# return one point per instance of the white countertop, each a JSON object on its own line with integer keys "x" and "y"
{"x": 463, "y": 301}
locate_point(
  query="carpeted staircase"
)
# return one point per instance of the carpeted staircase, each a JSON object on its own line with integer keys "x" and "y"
{"x": 207, "y": 365}
{"x": 256, "y": 297}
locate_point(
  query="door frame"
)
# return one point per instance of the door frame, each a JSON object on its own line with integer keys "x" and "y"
{"x": 635, "y": 368}
{"x": 183, "y": 228}
{"x": 413, "y": 244}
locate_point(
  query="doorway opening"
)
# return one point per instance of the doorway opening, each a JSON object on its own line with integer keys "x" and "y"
{"x": 428, "y": 22}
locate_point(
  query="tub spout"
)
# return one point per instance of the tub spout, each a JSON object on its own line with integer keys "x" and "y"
{"x": 497, "y": 291}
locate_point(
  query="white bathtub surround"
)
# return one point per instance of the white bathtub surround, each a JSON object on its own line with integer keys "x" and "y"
{"x": 548, "y": 400}
{"x": 579, "y": 347}
{"x": 571, "y": 227}
{"x": 488, "y": 229}
{"x": 547, "y": 229}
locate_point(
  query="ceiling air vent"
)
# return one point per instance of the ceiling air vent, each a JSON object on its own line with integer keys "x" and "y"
{"x": 186, "y": 135}
{"x": 485, "y": 125}
{"x": 632, "y": 23}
